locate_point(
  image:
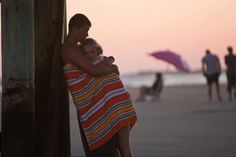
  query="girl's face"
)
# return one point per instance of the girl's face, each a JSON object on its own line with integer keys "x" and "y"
{"x": 91, "y": 51}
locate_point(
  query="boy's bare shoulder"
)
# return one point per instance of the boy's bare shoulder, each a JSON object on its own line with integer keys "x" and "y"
{"x": 69, "y": 48}
{"x": 69, "y": 53}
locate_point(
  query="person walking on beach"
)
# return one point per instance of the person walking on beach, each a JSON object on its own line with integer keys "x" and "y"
{"x": 211, "y": 69}
{"x": 104, "y": 108}
{"x": 230, "y": 62}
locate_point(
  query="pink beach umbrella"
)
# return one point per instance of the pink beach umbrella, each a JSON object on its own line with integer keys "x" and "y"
{"x": 173, "y": 59}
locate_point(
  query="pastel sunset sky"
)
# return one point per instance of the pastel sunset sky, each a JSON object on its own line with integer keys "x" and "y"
{"x": 130, "y": 29}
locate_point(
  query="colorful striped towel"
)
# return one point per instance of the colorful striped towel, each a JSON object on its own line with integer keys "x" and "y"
{"x": 103, "y": 104}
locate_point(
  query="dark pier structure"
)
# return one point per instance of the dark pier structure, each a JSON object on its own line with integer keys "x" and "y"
{"x": 35, "y": 105}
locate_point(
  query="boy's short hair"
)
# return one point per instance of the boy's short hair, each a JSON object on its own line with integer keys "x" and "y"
{"x": 78, "y": 20}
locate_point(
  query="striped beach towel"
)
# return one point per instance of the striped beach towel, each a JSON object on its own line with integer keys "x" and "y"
{"x": 103, "y": 104}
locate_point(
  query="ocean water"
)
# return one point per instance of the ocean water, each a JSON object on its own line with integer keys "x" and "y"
{"x": 170, "y": 79}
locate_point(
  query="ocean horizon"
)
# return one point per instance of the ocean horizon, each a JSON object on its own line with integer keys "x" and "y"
{"x": 169, "y": 78}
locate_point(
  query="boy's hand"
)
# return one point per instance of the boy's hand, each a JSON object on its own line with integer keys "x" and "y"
{"x": 109, "y": 59}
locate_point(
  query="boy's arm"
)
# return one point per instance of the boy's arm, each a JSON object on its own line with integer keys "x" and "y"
{"x": 75, "y": 56}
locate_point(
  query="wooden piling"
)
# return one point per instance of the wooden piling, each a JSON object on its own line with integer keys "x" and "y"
{"x": 35, "y": 106}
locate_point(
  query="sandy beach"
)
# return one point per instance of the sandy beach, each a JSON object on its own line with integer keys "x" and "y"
{"x": 181, "y": 124}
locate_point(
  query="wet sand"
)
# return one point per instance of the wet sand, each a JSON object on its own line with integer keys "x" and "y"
{"x": 181, "y": 124}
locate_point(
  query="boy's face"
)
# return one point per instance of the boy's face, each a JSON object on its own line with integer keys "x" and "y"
{"x": 91, "y": 51}
{"x": 82, "y": 32}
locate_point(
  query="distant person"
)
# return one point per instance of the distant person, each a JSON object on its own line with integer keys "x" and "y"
{"x": 155, "y": 90}
{"x": 211, "y": 69}
{"x": 230, "y": 61}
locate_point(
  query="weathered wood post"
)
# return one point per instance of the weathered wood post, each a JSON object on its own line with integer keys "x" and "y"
{"x": 35, "y": 110}
{"x": 51, "y": 96}
{"x": 18, "y": 78}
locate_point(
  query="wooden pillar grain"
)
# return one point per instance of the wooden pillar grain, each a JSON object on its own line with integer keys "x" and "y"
{"x": 52, "y": 116}
{"x": 18, "y": 64}
{"x": 35, "y": 110}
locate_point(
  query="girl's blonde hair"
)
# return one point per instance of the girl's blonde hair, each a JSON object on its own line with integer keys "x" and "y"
{"x": 91, "y": 42}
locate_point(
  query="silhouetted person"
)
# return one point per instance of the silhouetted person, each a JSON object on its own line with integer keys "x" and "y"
{"x": 154, "y": 90}
{"x": 79, "y": 26}
{"x": 211, "y": 69}
{"x": 230, "y": 61}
